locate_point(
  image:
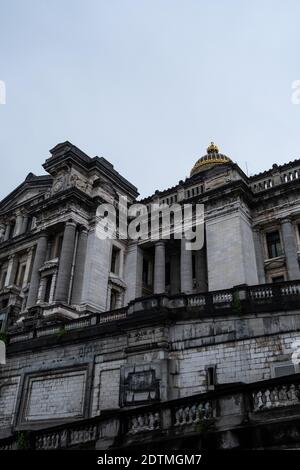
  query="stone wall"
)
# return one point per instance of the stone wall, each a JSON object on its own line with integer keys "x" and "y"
{"x": 79, "y": 379}
{"x": 230, "y": 250}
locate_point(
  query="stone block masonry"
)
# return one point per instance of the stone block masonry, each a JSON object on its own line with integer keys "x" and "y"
{"x": 82, "y": 378}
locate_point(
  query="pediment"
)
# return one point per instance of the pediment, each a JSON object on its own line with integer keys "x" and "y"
{"x": 32, "y": 187}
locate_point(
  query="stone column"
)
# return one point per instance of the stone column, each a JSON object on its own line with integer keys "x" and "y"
{"x": 18, "y": 226}
{"x": 2, "y": 232}
{"x": 79, "y": 267}
{"x": 65, "y": 263}
{"x": 290, "y": 249}
{"x": 27, "y": 269}
{"x": 159, "y": 268}
{"x": 39, "y": 259}
{"x": 7, "y": 230}
{"x": 121, "y": 263}
{"x": 52, "y": 289}
{"x": 186, "y": 268}
{"x": 108, "y": 297}
{"x": 41, "y": 291}
{"x": 11, "y": 270}
{"x": 24, "y": 224}
{"x": 259, "y": 255}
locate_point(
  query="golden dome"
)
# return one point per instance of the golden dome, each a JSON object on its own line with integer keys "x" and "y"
{"x": 213, "y": 157}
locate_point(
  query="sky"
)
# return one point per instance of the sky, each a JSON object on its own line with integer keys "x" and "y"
{"x": 147, "y": 84}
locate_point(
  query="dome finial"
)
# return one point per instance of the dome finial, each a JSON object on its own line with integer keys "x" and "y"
{"x": 212, "y": 148}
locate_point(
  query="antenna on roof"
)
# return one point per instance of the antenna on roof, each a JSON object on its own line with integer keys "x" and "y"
{"x": 247, "y": 173}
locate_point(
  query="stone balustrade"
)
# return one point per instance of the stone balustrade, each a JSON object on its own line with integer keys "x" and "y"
{"x": 204, "y": 414}
{"x": 144, "y": 422}
{"x": 273, "y": 397}
{"x": 193, "y": 414}
{"x": 238, "y": 301}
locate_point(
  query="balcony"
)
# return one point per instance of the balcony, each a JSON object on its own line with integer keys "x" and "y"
{"x": 239, "y": 301}
{"x": 263, "y": 414}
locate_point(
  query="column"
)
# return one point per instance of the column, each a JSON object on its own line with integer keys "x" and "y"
{"x": 28, "y": 266}
{"x": 41, "y": 291}
{"x": 65, "y": 263}
{"x": 259, "y": 255}
{"x": 79, "y": 267}
{"x": 18, "y": 226}
{"x": 290, "y": 249}
{"x": 52, "y": 289}
{"x": 121, "y": 264}
{"x": 7, "y": 231}
{"x": 133, "y": 269}
{"x": 11, "y": 270}
{"x": 2, "y": 232}
{"x": 108, "y": 297}
{"x": 39, "y": 259}
{"x": 186, "y": 268}
{"x": 159, "y": 268}
{"x": 24, "y": 224}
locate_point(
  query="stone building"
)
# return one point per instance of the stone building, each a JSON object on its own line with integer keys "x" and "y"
{"x": 119, "y": 342}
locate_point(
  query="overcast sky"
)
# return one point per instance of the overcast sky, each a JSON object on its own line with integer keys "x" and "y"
{"x": 148, "y": 84}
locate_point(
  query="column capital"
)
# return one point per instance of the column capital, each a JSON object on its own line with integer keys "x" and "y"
{"x": 83, "y": 230}
{"x": 285, "y": 220}
{"x": 71, "y": 223}
{"x": 42, "y": 234}
{"x": 160, "y": 242}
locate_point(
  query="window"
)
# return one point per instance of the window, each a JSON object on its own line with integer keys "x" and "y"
{"x": 145, "y": 272}
{"x": 115, "y": 260}
{"x": 211, "y": 377}
{"x": 194, "y": 265}
{"x": 20, "y": 274}
{"x": 29, "y": 224}
{"x": 48, "y": 289}
{"x": 58, "y": 246}
{"x": 12, "y": 229}
{"x": 273, "y": 244}
{"x": 4, "y": 303}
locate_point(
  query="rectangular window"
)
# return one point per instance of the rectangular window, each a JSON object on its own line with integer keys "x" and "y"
{"x": 115, "y": 260}
{"x": 145, "y": 272}
{"x": 273, "y": 244}
{"x": 11, "y": 230}
{"x": 59, "y": 246}
{"x": 194, "y": 265}
{"x": 20, "y": 275}
{"x": 211, "y": 377}
{"x": 48, "y": 289}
